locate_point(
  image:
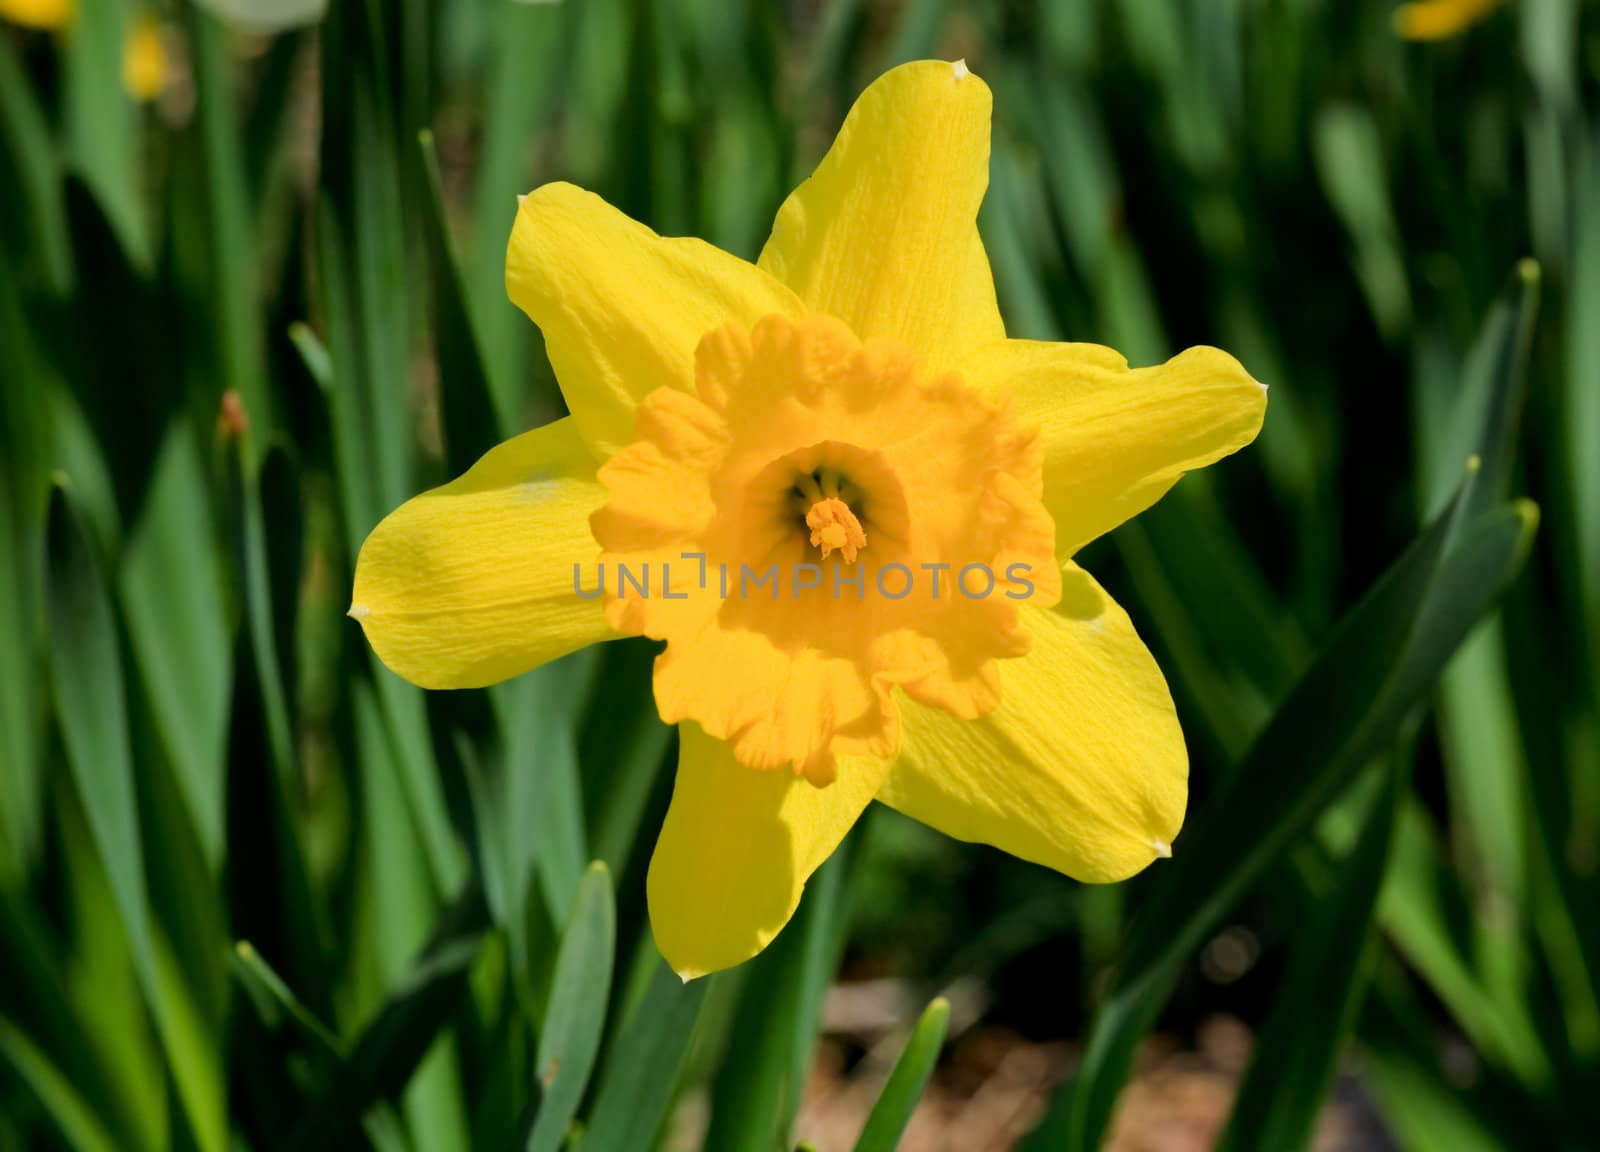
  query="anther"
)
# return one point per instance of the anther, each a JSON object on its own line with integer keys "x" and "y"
{"x": 834, "y": 526}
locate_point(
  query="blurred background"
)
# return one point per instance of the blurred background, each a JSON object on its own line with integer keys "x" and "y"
{"x": 255, "y": 892}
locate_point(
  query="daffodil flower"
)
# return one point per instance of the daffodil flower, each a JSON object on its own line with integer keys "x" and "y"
{"x": 144, "y": 57}
{"x": 1440, "y": 19}
{"x": 144, "y": 53}
{"x": 41, "y": 14}
{"x": 847, "y": 503}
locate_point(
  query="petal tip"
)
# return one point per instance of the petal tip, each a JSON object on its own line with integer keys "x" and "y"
{"x": 1163, "y": 849}
{"x": 359, "y": 612}
{"x": 959, "y": 69}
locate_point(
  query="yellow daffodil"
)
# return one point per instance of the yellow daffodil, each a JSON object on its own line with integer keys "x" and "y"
{"x": 37, "y": 13}
{"x": 144, "y": 58}
{"x": 144, "y": 51}
{"x": 1440, "y": 19}
{"x": 847, "y": 503}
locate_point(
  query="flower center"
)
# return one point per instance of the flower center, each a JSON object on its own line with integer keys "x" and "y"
{"x": 800, "y": 442}
{"x": 834, "y": 526}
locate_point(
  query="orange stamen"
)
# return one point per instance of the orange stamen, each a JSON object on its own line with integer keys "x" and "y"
{"x": 832, "y": 526}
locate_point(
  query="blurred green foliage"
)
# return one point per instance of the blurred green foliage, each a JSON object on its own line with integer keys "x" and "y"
{"x": 257, "y": 892}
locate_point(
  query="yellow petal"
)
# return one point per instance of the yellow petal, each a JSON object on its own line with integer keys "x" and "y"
{"x": 472, "y": 583}
{"x": 737, "y": 849}
{"x": 42, "y": 14}
{"x": 884, "y": 235}
{"x": 1440, "y": 19}
{"x": 1116, "y": 439}
{"x": 621, "y": 308}
{"x": 1081, "y": 768}
{"x": 144, "y": 58}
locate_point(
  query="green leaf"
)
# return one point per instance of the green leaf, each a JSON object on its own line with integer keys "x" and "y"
{"x": 399, "y": 898}
{"x": 757, "y": 1092}
{"x": 465, "y": 401}
{"x": 372, "y": 450}
{"x": 1381, "y": 662}
{"x": 899, "y": 1097}
{"x": 86, "y": 674}
{"x": 389, "y": 1050}
{"x": 125, "y": 380}
{"x": 1349, "y": 152}
{"x": 230, "y": 240}
{"x": 274, "y": 1003}
{"x": 526, "y": 44}
{"x": 1416, "y": 1097}
{"x": 575, "y": 1021}
{"x": 22, "y": 823}
{"x": 72, "y": 1116}
{"x": 1426, "y": 914}
{"x": 103, "y": 135}
{"x": 171, "y": 592}
{"x": 642, "y": 1068}
{"x": 624, "y": 749}
{"x": 29, "y": 163}
{"x": 267, "y": 15}
{"x": 1298, "y": 1049}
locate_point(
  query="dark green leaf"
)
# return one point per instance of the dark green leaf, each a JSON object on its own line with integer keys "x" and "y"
{"x": 757, "y": 1093}
{"x": 1384, "y": 657}
{"x": 639, "y": 1076}
{"x": 576, "y": 1018}
{"x": 389, "y": 1050}
{"x": 899, "y": 1097}
{"x": 71, "y": 1114}
{"x": 1298, "y": 1050}
{"x": 86, "y": 674}
{"x": 465, "y": 401}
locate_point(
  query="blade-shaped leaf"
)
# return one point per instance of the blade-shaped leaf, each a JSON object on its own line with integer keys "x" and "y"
{"x": 576, "y": 1018}
{"x": 642, "y": 1069}
{"x": 757, "y": 1092}
{"x": 899, "y": 1097}
{"x": 86, "y": 674}
{"x": 71, "y": 1114}
{"x": 465, "y": 402}
{"x": 171, "y": 592}
{"x": 1294, "y": 1059}
{"x": 1382, "y": 660}
{"x": 389, "y": 1050}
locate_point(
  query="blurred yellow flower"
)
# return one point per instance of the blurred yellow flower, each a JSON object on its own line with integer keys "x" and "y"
{"x": 851, "y": 398}
{"x": 144, "y": 52}
{"x": 1440, "y": 19}
{"x": 144, "y": 57}
{"x": 37, "y": 13}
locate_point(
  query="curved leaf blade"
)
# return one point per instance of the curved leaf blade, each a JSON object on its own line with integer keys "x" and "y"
{"x": 579, "y": 992}
{"x": 907, "y": 1082}
{"x": 1383, "y": 659}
